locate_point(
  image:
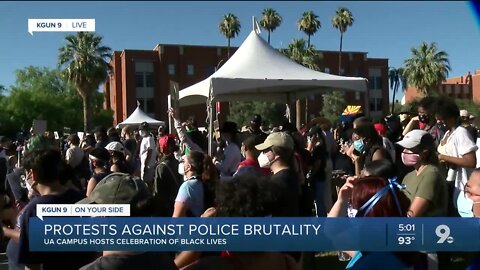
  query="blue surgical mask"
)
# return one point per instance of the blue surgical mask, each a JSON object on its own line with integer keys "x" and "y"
{"x": 464, "y": 205}
{"x": 359, "y": 145}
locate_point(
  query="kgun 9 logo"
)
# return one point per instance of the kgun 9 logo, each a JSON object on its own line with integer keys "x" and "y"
{"x": 443, "y": 232}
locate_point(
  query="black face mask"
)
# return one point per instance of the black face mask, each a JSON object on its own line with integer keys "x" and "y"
{"x": 423, "y": 118}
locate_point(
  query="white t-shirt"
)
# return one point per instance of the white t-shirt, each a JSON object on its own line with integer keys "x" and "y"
{"x": 74, "y": 156}
{"x": 229, "y": 165}
{"x": 458, "y": 144}
{"x": 148, "y": 143}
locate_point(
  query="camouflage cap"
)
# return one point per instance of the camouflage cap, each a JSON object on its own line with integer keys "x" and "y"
{"x": 118, "y": 188}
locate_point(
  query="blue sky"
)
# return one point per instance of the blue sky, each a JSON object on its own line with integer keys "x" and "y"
{"x": 383, "y": 29}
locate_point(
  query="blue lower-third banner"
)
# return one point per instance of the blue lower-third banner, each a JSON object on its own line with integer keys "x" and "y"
{"x": 254, "y": 234}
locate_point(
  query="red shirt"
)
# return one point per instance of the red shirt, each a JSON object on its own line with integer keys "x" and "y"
{"x": 254, "y": 163}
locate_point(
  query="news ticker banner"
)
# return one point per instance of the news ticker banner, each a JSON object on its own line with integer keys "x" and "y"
{"x": 254, "y": 234}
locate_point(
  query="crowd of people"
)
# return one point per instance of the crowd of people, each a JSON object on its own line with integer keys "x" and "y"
{"x": 423, "y": 166}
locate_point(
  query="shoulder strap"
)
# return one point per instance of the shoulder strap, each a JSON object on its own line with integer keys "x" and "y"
{"x": 171, "y": 172}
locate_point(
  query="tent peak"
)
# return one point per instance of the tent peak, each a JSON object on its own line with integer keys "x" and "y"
{"x": 256, "y": 26}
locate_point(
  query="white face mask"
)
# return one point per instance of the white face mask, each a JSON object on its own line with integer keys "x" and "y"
{"x": 264, "y": 161}
{"x": 465, "y": 205}
{"x": 181, "y": 169}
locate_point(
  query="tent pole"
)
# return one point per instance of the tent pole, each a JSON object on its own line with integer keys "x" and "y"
{"x": 210, "y": 131}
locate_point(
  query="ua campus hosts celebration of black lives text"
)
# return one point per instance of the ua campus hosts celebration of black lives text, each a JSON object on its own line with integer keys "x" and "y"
{"x": 326, "y": 170}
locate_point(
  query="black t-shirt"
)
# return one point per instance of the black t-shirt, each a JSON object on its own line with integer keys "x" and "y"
{"x": 319, "y": 155}
{"x": 131, "y": 146}
{"x": 50, "y": 260}
{"x": 167, "y": 181}
{"x": 287, "y": 179}
{"x": 102, "y": 144}
{"x": 99, "y": 176}
{"x": 143, "y": 261}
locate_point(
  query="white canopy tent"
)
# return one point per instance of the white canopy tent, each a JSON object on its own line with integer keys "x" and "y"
{"x": 138, "y": 117}
{"x": 259, "y": 72}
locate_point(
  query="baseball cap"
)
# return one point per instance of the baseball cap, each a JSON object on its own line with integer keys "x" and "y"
{"x": 163, "y": 141}
{"x": 413, "y": 138}
{"x": 99, "y": 154}
{"x": 118, "y": 188}
{"x": 144, "y": 126}
{"x": 115, "y": 146}
{"x": 279, "y": 139}
{"x": 464, "y": 113}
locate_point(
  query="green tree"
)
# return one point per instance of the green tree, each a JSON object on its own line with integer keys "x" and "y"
{"x": 333, "y": 105}
{"x": 426, "y": 68}
{"x": 307, "y": 56}
{"x": 396, "y": 78}
{"x": 342, "y": 20}
{"x": 84, "y": 62}
{"x": 309, "y": 24}
{"x": 270, "y": 21}
{"x": 242, "y": 112}
{"x": 229, "y": 27}
{"x": 42, "y": 93}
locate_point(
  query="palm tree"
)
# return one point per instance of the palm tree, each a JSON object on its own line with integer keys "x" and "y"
{"x": 342, "y": 20}
{"x": 230, "y": 27}
{"x": 307, "y": 56}
{"x": 84, "y": 63}
{"x": 309, "y": 24}
{"x": 427, "y": 67}
{"x": 270, "y": 20}
{"x": 396, "y": 78}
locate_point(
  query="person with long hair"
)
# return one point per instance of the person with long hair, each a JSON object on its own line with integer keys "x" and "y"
{"x": 425, "y": 186}
{"x": 368, "y": 146}
{"x": 355, "y": 200}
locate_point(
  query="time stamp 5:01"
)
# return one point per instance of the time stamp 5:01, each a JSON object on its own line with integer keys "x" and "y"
{"x": 407, "y": 234}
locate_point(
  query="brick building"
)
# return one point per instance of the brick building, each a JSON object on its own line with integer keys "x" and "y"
{"x": 145, "y": 76}
{"x": 464, "y": 87}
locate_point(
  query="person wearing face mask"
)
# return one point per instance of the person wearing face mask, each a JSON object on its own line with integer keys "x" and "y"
{"x": 231, "y": 155}
{"x": 250, "y": 154}
{"x": 148, "y": 154}
{"x": 425, "y": 186}
{"x": 277, "y": 154}
{"x": 368, "y": 147}
{"x": 469, "y": 200}
{"x": 194, "y": 195}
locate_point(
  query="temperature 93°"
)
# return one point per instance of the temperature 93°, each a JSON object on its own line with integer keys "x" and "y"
{"x": 405, "y": 240}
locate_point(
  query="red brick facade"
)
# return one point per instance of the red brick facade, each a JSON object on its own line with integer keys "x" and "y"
{"x": 187, "y": 65}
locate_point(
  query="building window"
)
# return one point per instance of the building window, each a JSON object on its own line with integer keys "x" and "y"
{"x": 190, "y": 70}
{"x": 327, "y": 70}
{"x": 372, "y": 105}
{"x": 139, "y": 79}
{"x": 375, "y": 82}
{"x": 357, "y": 95}
{"x": 342, "y": 71}
{"x": 356, "y": 72}
{"x": 149, "y": 79}
{"x": 144, "y": 79}
{"x": 171, "y": 69}
{"x": 379, "y": 104}
{"x": 147, "y": 105}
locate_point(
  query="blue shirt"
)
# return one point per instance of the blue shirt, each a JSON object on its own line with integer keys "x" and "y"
{"x": 376, "y": 260}
{"x": 191, "y": 194}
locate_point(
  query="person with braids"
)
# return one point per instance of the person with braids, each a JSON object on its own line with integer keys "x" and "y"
{"x": 374, "y": 196}
{"x": 196, "y": 193}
